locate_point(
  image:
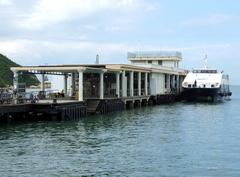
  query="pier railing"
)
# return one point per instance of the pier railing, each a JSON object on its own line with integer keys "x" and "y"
{"x": 154, "y": 54}
{"x": 110, "y": 93}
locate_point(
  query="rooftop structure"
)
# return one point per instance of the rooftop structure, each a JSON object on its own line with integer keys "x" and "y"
{"x": 162, "y": 55}
{"x": 162, "y": 58}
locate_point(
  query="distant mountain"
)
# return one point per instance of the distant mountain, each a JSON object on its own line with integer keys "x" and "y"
{"x": 6, "y": 75}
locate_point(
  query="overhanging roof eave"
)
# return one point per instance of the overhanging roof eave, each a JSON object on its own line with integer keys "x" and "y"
{"x": 56, "y": 69}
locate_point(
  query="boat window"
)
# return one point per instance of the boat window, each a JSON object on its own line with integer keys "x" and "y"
{"x": 205, "y": 71}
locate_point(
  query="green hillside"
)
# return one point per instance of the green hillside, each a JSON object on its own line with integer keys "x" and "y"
{"x": 6, "y": 75}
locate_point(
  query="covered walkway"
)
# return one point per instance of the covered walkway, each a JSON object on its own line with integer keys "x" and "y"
{"x": 94, "y": 81}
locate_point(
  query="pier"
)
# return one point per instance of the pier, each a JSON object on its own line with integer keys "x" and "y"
{"x": 150, "y": 78}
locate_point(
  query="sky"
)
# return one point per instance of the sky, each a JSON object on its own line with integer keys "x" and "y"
{"x": 44, "y": 32}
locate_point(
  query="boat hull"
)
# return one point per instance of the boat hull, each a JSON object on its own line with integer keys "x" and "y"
{"x": 202, "y": 94}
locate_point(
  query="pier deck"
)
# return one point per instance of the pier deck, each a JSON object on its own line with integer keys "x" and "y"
{"x": 43, "y": 111}
{"x": 74, "y": 110}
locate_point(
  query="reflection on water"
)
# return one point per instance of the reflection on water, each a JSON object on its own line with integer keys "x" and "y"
{"x": 183, "y": 139}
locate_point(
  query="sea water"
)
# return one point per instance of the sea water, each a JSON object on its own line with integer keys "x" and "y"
{"x": 181, "y": 139}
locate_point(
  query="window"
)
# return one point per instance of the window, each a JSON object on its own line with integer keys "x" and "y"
{"x": 150, "y": 62}
{"x": 159, "y": 62}
{"x": 205, "y": 71}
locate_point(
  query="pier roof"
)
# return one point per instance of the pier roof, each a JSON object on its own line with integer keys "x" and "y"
{"x": 74, "y": 68}
{"x": 55, "y": 69}
{"x": 62, "y": 69}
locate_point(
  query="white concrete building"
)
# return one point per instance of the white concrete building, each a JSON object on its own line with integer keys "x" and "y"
{"x": 166, "y": 77}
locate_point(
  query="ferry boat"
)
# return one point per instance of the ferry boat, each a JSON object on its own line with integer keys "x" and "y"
{"x": 206, "y": 85}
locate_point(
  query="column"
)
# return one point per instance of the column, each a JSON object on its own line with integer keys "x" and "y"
{"x": 101, "y": 86}
{"x": 168, "y": 83}
{"x": 80, "y": 87}
{"x": 72, "y": 84}
{"x": 42, "y": 83}
{"x": 139, "y": 84}
{"x": 173, "y": 83}
{"x": 124, "y": 93}
{"x": 15, "y": 86}
{"x": 178, "y": 88}
{"x": 146, "y": 84}
{"x": 65, "y": 84}
{"x": 180, "y": 83}
{"x": 131, "y": 84}
{"x": 118, "y": 85}
{"x": 15, "y": 80}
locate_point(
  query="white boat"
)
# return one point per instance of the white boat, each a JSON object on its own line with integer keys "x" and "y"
{"x": 205, "y": 85}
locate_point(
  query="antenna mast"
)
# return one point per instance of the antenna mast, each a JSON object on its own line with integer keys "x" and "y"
{"x": 97, "y": 59}
{"x": 205, "y": 62}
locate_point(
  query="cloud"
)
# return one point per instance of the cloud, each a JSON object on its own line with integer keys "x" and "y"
{"x": 117, "y": 28}
{"x": 5, "y": 3}
{"x": 34, "y": 52}
{"x": 10, "y": 47}
{"x": 21, "y": 51}
{"x": 211, "y": 20}
{"x": 47, "y": 12}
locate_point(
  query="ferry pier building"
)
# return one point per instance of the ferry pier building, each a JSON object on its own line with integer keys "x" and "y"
{"x": 150, "y": 77}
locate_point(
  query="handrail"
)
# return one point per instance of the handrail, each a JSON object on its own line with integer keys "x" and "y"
{"x": 154, "y": 54}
